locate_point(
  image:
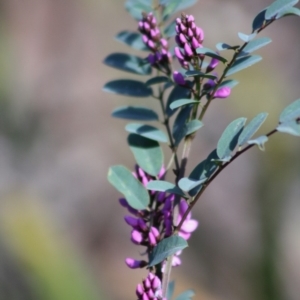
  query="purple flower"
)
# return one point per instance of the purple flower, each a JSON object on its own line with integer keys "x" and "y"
{"x": 178, "y": 78}
{"x": 135, "y": 264}
{"x": 222, "y": 92}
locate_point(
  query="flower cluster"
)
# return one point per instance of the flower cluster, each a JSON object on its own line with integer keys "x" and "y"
{"x": 152, "y": 37}
{"x": 150, "y": 288}
{"x": 221, "y": 92}
{"x": 189, "y": 37}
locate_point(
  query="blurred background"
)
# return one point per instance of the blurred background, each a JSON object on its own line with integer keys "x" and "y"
{"x": 62, "y": 234}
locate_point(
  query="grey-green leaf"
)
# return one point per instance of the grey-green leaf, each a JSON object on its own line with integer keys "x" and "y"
{"x": 196, "y": 73}
{"x": 132, "y": 39}
{"x": 187, "y": 184}
{"x": 128, "y": 63}
{"x": 157, "y": 80}
{"x": 138, "y": 113}
{"x": 224, "y": 46}
{"x": 187, "y": 295}
{"x": 193, "y": 126}
{"x": 292, "y": 11}
{"x": 211, "y": 53}
{"x": 164, "y": 186}
{"x": 178, "y": 92}
{"x": 251, "y": 128}
{"x": 229, "y": 138}
{"x": 259, "y": 20}
{"x": 182, "y": 102}
{"x": 246, "y": 38}
{"x": 166, "y": 248}
{"x": 147, "y": 153}
{"x": 134, "y": 192}
{"x": 170, "y": 8}
{"x": 136, "y": 8}
{"x": 260, "y": 142}
{"x": 128, "y": 87}
{"x": 243, "y": 63}
{"x": 147, "y": 131}
{"x": 231, "y": 83}
{"x": 255, "y": 45}
{"x": 179, "y": 130}
{"x": 171, "y": 288}
{"x": 278, "y": 6}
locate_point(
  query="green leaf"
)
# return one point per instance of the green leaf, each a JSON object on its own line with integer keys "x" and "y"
{"x": 195, "y": 73}
{"x": 211, "y": 53}
{"x": 179, "y": 127}
{"x": 259, "y": 21}
{"x": 243, "y": 63}
{"x": 260, "y": 142}
{"x": 132, "y": 39}
{"x": 187, "y": 295}
{"x": 164, "y": 186}
{"x": 137, "y": 7}
{"x": 193, "y": 126}
{"x": 254, "y": 45}
{"x": 128, "y": 87}
{"x": 134, "y": 192}
{"x": 157, "y": 80}
{"x": 278, "y": 6}
{"x": 171, "y": 288}
{"x": 170, "y": 8}
{"x": 224, "y": 46}
{"x": 170, "y": 29}
{"x": 251, "y": 128}
{"x": 230, "y": 83}
{"x": 246, "y": 38}
{"x": 178, "y": 92}
{"x": 147, "y": 153}
{"x": 187, "y": 184}
{"x": 166, "y": 248}
{"x": 147, "y": 131}
{"x": 182, "y": 102}
{"x": 128, "y": 63}
{"x": 138, "y": 113}
{"x": 289, "y": 120}
{"x": 292, "y": 11}
{"x": 229, "y": 138}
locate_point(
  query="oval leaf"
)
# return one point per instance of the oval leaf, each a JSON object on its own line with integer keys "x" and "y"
{"x": 132, "y": 39}
{"x": 178, "y": 92}
{"x": 134, "y": 192}
{"x": 259, "y": 21}
{"x": 254, "y": 45}
{"x": 187, "y": 184}
{"x": 195, "y": 73}
{"x": 292, "y": 11}
{"x": 229, "y": 138}
{"x": 187, "y": 295}
{"x": 193, "y": 126}
{"x": 260, "y": 142}
{"x": 278, "y": 6}
{"x": 128, "y": 63}
{"x": 179, "y": 130}
{"x": 291, "y": 127}
{"x": 243, "y": 63}
{"x": 182, "y": 102}
{"x": 135, "y": 113}
{"x": 157, "y": 80}
{"x": 136, "y": 8}
{"x": 147, "y": 131}
{"x": 291, "y": 112}
{"x": 211, "y": 53}
{"x": 147, "y": 153}
{"x": 224, "y": 46}
{"x": 251, "y": 128}
{"x": 171, "y": 288}
{"x": 229, "y": 83}
{"x": 246, "y": 38}
{"x": 166, "y": 248}
{"x": 164, "y": 186}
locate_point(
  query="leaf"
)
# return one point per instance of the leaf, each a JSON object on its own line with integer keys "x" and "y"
{"x": 246, "y": 38}
{"x": 187, "y": 295}
{"x": 157, "y": 80}
{"x": 193, "y": 126}
{"x": 259, "y": 21}
{"x": 289, "y": 120}
{"x": 136, "y": 8}
{"x": 211, "y": 53}
{"x": 179, "y": 127}
{"x": 170, "y": 29}
{"x": 178, "y": 92}
{"x": 292, "y": 11}
{"x": 182, "y": 102}
{"x": 166, "y": 248}
{"x": 203, "y": 171}
{"x": 224, "y": 46}
{"x": 254, "y": 45}
{"x": 128, "y": 63}
{"x": 170, "y": 8}
{"x": 251, "y": 128}
{"x": 147, "y": 153}
{"x": 147, "y": 131}
{"x": 128, "y": 87}
{"x": 164, "y": 186}
{"x": 194, "y": 73}
{"x": 134, "y": 192}
{"x": 187, "y": 184}
{"x": 171, "y": 288}
{"x": 243, "y": 63}
{"x": 231, "y": 83}
{"x": 278, "y": 6}
{"x": 229, "y": 137}
{"x": 260, "y": 142}
{"x": 132, "y": 39}
{"x": 138, "y": 113}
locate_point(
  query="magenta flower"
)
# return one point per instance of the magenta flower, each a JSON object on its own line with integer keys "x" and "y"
{"x": 178, "y": 78}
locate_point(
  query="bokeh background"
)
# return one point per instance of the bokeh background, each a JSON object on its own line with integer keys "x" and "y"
{"x": 62, "y": 234}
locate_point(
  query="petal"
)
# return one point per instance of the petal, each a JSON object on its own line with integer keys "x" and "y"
{"x": 189, "y": 226}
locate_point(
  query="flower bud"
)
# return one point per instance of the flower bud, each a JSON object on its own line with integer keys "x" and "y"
{"x": 178, "y": 53}
{"x": 188, "y": 51}
{"x": 139, "y": 290}
{"x": 136, "y": 237}
{"x": 135, "y": 264}
{"x": 131, "y": 221}
{"x": 222, "y": 92}
{"x": 178, "y": 78}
